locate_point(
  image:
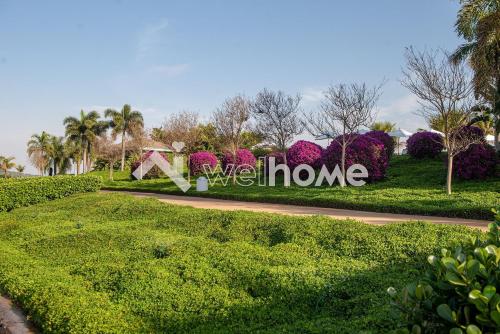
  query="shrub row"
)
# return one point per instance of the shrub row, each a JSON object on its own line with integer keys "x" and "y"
{"x": 15, "y": 193}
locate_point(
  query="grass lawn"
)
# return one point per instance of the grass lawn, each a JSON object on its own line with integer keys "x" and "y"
{"x": 412, "y": 186}
{"x": 111, "y": 263}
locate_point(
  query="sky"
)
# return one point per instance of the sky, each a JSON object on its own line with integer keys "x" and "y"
{"x": 162, "y": 57}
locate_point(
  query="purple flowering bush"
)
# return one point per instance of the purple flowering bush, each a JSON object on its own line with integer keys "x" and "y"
{"x": 387, "y": 140}
{"x": 244, "y": 158}
{"x": 198, "y": 160}
{"x": 424, "y": 144}
{"x": 477, "y": 162}
{"x": 154, "y": 172}
{"x": 279, "y": 158}
{"x": 364, "y": 150}
{"x": 304, "y": 152}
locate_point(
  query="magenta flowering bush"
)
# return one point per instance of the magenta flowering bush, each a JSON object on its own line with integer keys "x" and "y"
{"x": 154, "y": 172}
{"x": 387, "y": 140}
{"x": 304, "y": 152}
{"x": 477, "y": 162}
{"x": 279, "y": 158}
{"x": 244, "y": 158}
{"x": 198, "y": 160}
{"x": 424, "y": 144}
{"x": 364, "y": 150}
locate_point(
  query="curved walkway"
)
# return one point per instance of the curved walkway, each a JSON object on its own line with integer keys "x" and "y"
{"x": 374, "y": 218}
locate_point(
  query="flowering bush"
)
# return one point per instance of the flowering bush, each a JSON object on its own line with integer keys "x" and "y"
{"x": 244, "y": 158}
{"x": 477, "y": 162}
{"x": 279, "y": 158}
{"x": 304, "y": 152}
{"x": 364, "y": 150}
{"x": 198, "y": 160}
{"x": 154, "y": 172}
{"x": 424, "y": 144}
{"x": 387, "y": 140}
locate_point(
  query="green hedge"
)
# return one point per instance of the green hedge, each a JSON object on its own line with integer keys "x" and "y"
{"x": 15, "y": 193}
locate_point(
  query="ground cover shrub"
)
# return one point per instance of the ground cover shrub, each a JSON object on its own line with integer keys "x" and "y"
{"x": 141, "y": 266}
{"x": 424, "y": 144}
{"x": 459, "y": 291}
{"x": 304, "y": 152}
{"x": 198, "y": 160}
{"x": 387, "y": 140}
{"x": 154, "y": 172}
{"x": 15, "y": 193}
{"x": 244, "y": 159}
{"x": 364, "y": 150}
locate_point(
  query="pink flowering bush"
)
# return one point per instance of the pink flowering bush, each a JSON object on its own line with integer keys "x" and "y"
{"x": 477, "y": 162}
{"x": 154, "y": 172}
{"x": 279, "y": 158}
{"x": 387, "y": 140}
{"x": 198, "y": 160}
{"x": 424, "y": 144}
{"x": 364, "y": 150}
{"x": 244, "y": 158}
{"x": 304, "y": 152}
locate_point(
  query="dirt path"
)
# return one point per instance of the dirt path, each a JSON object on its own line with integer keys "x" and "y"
{"x": 374, "y": 218}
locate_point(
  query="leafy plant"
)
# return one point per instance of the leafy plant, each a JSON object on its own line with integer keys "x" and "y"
{"x": 198, "y": 160}
{"x": 458, "y": 293}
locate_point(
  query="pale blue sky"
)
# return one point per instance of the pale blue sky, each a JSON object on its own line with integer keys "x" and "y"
{"x": 57, "y": 57}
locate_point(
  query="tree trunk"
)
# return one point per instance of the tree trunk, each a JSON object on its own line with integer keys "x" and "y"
{"x": 78, "y": 167}
{"x": 55, "y": 168}
{"x": 111, "y": 163}
{"x": 84, "y": 160}
{"x": 496, "y": 116}
{"x": 122, "y": 167}
{"x": 234, "y": 167}
{"x": 342, "y": 162}
{"x": 449, "y": 174}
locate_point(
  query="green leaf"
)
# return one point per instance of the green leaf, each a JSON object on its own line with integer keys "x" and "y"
{"x": 454, "y": 279}
{"x": 449, "y": 262}
{"x": 475, "y": 297}
{"x": 416, "y": 329}
{"x": 472, "y": 329}
{"x": 445, "y": 312}
{"x": 472, "y": 268}
{"x": 456, "y": 330}
{"x": 489, "y": 291}
{"x": 495, "y": 315}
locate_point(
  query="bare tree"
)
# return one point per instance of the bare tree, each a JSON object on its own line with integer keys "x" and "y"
{"x": 230, "y": 120}
{"x": 109, "y": 151}
{"x": 277, "y": 116}
{"x": 182, "y": 127}
{"x": 344, "y": 109}
{"x": 443, "y": 88}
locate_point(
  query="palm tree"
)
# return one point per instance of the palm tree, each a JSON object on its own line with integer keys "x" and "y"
{"x": 84, "y": 131}
{"x": 478, "y": 22}
{"x": 39, "y": 147}
{"x": 6, "y": 164}
{"x": 59, "y": 156}
{"x": 125, "y": 123}
{"x": 74, "y": 152}
{"x": 383, "y": 126}
{"x": 20, "y": 168}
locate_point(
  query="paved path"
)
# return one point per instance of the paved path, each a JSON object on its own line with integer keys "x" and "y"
{"x": 373, "y": 218}
{"x": 12, "y": 319}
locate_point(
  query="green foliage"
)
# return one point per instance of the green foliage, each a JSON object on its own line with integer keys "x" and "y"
{"x": 458, "y": 293}
{"x": 412, "y": 186}
{"x": 15, "y": 193}
{"x": 111, "y": 263}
